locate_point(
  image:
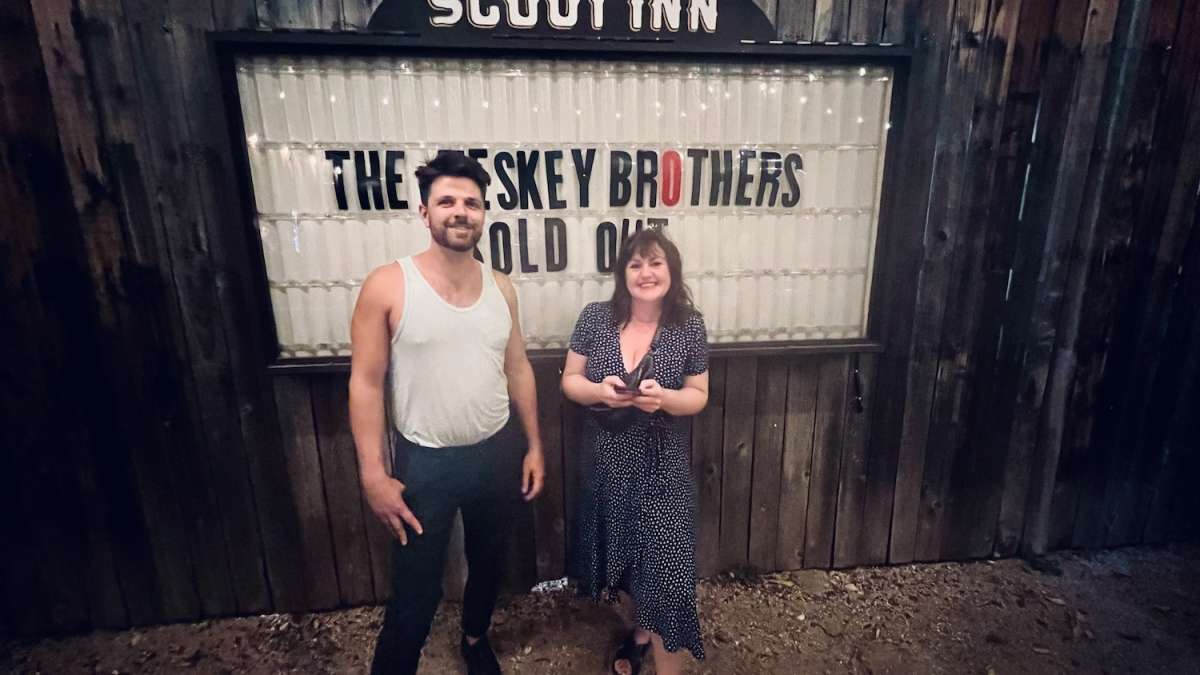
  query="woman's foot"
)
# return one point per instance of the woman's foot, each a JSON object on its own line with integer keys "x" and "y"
{"x": 631, "y": 653}
{"x": 480, "y": 658}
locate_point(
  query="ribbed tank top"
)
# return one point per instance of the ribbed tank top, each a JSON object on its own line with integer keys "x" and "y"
{"x": 446, "y": 370}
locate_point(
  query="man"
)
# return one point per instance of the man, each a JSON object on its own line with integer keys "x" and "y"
{"x": 439, "y": 331}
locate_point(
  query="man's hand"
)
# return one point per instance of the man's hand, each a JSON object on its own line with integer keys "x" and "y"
{"x": 649, "y": 398}
{"x": 533, "y": 473}
{"x": 610, "y": 394}
{"x": 385, "y": 497}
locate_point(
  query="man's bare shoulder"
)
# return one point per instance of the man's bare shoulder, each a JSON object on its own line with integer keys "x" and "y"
{"x": 505, "y": 284}
{"x": 384, "y": 283}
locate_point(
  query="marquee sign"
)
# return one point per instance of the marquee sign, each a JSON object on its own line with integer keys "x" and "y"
{"x": 766, "y": 175}
{"x": 686, "y": 22}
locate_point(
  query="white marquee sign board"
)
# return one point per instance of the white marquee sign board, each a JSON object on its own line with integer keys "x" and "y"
{"x": 767, "y": 176}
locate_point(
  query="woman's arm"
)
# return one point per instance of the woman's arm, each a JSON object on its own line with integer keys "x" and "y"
{"x": 577, "y": 387}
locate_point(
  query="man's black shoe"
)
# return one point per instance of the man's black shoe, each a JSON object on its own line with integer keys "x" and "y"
{"x": 480, "y": 658}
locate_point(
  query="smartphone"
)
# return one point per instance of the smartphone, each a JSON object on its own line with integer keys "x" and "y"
{"x": 626, "y": 390}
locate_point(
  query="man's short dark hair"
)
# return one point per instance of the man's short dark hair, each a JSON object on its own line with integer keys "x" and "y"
{"x": 451, "y": 163}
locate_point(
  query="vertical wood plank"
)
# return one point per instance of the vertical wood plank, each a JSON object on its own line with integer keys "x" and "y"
{"x": 826, "y": 462}
{"x": 1024, "y": 454}
{"x": 56, "y": 404}
{"x": 1179, "y": 517}
{"x": 234, "y": 14}
{"x": 1110, "y": 268}
{"x": 912, "y": 338}
{"x": 768, "y": 457}
{"x": 770, "y": 9}
{"x": 881, "y": 480}
{"x": 850, "y": 541}
{"x": 708, "y": 433}
{"x": 899, "y": 21}
{"x": 298, "y": 14}
{"x": 549, "y": 509}
{"x": 741, "y": 383}
{"x": 356, "y": 14}
{"x": 177, "y": 492}
{"x": 219, "y": 251}
{"x": 795, "y": 477}
{"x": 1061, "y": 431}
{"x": 520, "y": 566}
{"x": 1000, "y": 360}
{"x": 1177, "y": 398}
{"x": 866, "y": 20}
{"x": 1036, "y": 260}
{"x": 304, "y": 475}
{"x": 182, "y": 217}
{"x": 572, "y": 426}
{"x": 831, "y": 20}
{"x": 795, "y": 23}
{"x": 339, "y": 472}
{"x": 969, "y": 491}
{"x": 1076, "y": 64}
{"x": 1159, "y": 243}
{"x": 946, "y": 380}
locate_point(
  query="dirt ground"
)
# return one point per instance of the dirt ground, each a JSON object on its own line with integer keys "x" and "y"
{"x": 1124, "y": 611}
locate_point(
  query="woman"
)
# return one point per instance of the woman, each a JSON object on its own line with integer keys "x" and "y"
{"x": 634, "y": 537}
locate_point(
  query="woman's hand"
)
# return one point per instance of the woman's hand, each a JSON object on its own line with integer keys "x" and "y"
{"x": 650, "y": 398}
{"x": 610, "y": 396}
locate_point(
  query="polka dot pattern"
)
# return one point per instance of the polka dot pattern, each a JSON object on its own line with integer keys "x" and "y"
{"x": 634, "y": 528}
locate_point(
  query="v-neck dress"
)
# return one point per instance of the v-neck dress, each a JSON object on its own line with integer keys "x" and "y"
{"x": 635, "y": 519}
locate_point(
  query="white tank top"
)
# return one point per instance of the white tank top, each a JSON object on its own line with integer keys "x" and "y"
{"x": 446, "y": 370}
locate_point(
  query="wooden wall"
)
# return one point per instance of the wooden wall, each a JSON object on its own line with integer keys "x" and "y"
{"x": 1034, "y": 391}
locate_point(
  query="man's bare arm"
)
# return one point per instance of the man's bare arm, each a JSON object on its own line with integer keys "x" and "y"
{"x": 522, "y": 390}
{"x": 370, "y": 338}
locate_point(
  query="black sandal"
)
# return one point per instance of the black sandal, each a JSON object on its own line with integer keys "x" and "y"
{"x": 632, "y": 652}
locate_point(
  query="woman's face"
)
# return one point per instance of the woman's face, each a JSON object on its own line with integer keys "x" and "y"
{"x": 648, "y": 277}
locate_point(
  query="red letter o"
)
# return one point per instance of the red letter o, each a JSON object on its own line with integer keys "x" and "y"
{"x": 672, "y": 177}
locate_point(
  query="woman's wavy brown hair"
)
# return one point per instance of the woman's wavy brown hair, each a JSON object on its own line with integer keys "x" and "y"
{"x": 677, "y": 304}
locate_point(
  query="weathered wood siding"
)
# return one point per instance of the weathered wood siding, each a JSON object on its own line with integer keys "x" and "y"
{"x": 1035, "y": 304}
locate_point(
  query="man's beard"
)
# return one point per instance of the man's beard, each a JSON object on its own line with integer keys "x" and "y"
{"x": 441, "y": 235}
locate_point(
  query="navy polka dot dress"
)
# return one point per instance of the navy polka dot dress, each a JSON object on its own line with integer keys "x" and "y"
{"x": 634, "y": 527}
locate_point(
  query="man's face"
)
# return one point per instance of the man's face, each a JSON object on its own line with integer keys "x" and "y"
{"x": 454, "y": 213}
